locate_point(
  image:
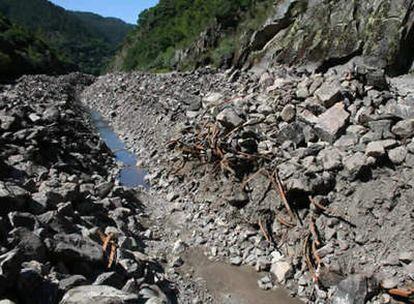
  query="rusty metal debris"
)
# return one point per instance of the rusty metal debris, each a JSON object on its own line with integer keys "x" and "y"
{"x": 109, "y": 247}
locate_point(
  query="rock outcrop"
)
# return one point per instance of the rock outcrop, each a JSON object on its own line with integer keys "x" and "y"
{"x": 328, "y": 33}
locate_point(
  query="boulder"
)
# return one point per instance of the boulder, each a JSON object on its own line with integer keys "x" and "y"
{"x": 352, "y": 290}
{"x": 282, "y": 270}
{"x": 332, "y": 122}
{"x": 288, "y": 113}
{"x": 74, "y": 248}
{"x": 229, "y": 118}
{"x": 329, "y": 93}
{"x": 98, "y": 294}
{"x": 404, "y": 128}
{"x": 397, "y": 155}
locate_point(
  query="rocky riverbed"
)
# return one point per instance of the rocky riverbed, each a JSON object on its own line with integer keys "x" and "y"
{"x": 259, "y": 183}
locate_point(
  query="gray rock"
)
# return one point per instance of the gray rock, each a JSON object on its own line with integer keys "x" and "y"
{"x": 283, "y": 270}
{"x": 332, "y": 123}
{"x": 75, "y": 248}
{"x": 288, "y": 113}
{"x": 397, "y": 155}
{"x": 292, "y": 132}
{"x": 329, "y": 93}
{"x": 376, "y": 78}
{"x": 390, "y": 283}
{"x": 355, "y": 164}
{"x": 71, "y": 282}
{"x": 402, "y": 109}
{"x": 352, "y": 290}
{"x": 229, "y": 118}
{"x": 98, "y": 295}
{"x": 103, "y": 189}
{"x": 12, "y": 197}
{"x": 375, "y": 149}
{"x": 110, "y": 279}
{"x": 266, "y": 80}
{"x": 404, "y": 128}
{"x": 331, "y": 158}
{"x": 6, "y": 301}
{"x": 406, "y": 257}
{"x": 212, "y": 99}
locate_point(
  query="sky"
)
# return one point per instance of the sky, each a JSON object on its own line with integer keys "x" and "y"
{"x": 127, "y": 10}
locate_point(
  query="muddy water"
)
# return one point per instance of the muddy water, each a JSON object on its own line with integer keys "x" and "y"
{"x": 130, "y": 175}
{"x": 230, "y": 284}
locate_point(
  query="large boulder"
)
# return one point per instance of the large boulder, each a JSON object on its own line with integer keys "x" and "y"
{"x": 98, "y": 295}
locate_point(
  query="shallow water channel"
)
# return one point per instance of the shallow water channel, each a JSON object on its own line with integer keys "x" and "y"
{"x": 130, "y": 175}
{"x": 233, "y": 285}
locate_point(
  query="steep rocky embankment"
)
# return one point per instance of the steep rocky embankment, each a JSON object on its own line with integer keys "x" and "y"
{"x": 327, "y": 33}
{"x": 305, "y": 177}
{"x": 66, "y": 228}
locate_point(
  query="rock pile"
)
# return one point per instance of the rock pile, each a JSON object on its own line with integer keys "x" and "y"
{"x": 310, "y": 176}
{"x": 68, "y": 232}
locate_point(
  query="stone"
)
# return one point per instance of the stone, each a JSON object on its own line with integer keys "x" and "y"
{"x": 355, "y": 164}
{"x": 376, "y": 79}
{"x": 352, "y": 290}
{"x": 110, "y": 279}
{"x": 7, "y": 301}
{"x": 98, "y": 294}
{"x": 229, "y": 118}
{"x": 332, "y": 123}
{"x": 172, "y": 196}
{"x": 33, "y": 288}
{"x": 30, "y": 246}
{"x": 212, "y": 99}
{"x": 12, "y": 197}
{"x": 292, "y": 132}
{"x": 288, "y": 113}
{"x": 22, "y": 219}
{"x": 329, "y": 93}
{"x": 282, "y": 270}
{"x": 403, "y": 109}
{"x": 71, "y": 282}
{"x": 397, "y": 155}
{"x": 75, "y": 248}
{"x": 406, "y": 257}
{"x": 266, "y": 80}
{"x": 103, "y": 189}
{"x": 390, "y": 283}
{"x": 404, "y": 128}
{"x": 375, "y": 149}
{"x": 331, "y": 158}
{"x": 236, "y": 261}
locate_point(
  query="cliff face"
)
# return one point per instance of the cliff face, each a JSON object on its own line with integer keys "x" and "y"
{"x": 325, "y": 33}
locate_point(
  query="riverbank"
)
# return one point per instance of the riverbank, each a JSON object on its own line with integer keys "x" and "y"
{"x": 340, "y": 143}
{"x": 68, "y": 232}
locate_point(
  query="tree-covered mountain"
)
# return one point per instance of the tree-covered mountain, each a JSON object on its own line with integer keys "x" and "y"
{"x": 22, "y": 52}
{"x": 186, "y": 33}
{"x": 87, "y": 40}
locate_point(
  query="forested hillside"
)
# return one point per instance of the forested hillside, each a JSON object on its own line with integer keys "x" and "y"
{"x": 21, "y": 52}
{"x": 168, "y": 35}
{"x": 85, "y": 39}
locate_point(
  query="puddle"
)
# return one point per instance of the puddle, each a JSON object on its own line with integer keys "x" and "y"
{"x": 130, "y": 175}
{"x": 231, "y": 284}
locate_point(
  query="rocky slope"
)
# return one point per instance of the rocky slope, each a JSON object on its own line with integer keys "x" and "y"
{"x": 307, "y": 178}
{"x": 317, "y": 34}
{"x": 68, "y": 232}
{"x": 328, "y": 33}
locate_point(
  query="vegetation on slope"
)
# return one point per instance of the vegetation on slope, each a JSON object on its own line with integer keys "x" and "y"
{"x": 21, "y": 52}
{"x": 87, "y": 40}
{"x": 174, "y": 25}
